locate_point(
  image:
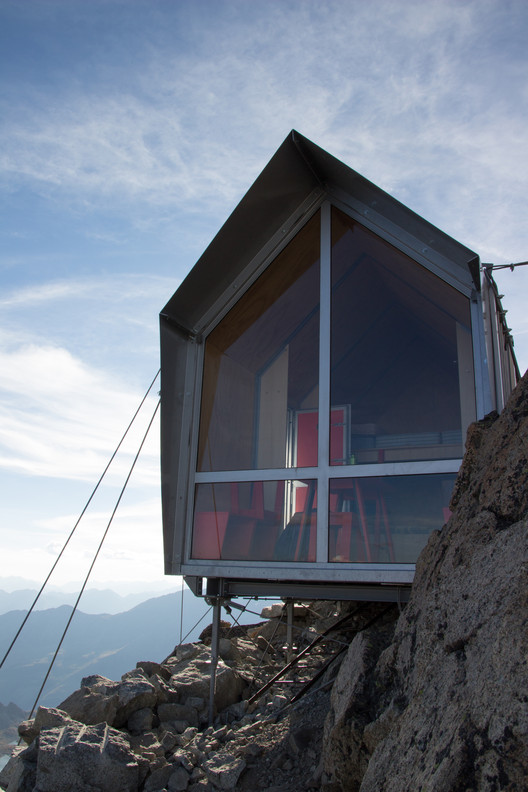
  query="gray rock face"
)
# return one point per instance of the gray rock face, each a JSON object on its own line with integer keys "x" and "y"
{"x": 100, "y": 699}
{"x": 352, "y": 708}
{"x": 193, "y": 681}
{"x": 223, "y": 770}
{"x": 77, "y": 757}
{"x": 446, "y": 705}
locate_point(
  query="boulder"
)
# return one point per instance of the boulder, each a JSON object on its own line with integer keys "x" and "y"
{"x": 96, "y": 697}
{"x": 179, "y": 780}
{"x": 183, "y": 653}
{"x": 132, "y": 695}
{"x": 223, "y": 770}
{"x": 85, "y": 758}
{"x": 228, "y": 651}
{"x": 147, "y": 744}
{"x": 159, "y": 777}
{"x": 46, "y": 718}
{"x": 140, "y": 721}
{"x": 20, "y": 772}
{"x": 193, "y": 681}
{"x": 272, "y": 611}
{"x": 101, "y": 700}
{"x": 178, "y": 712}
{"x": 151, "y": 668}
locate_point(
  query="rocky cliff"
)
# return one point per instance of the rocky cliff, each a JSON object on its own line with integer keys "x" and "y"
{"x": 444, "y": 706}
{"x": 434, "y": 698}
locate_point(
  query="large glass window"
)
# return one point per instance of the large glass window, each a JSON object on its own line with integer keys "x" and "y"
{"x": 385, "y": 519}
{"x": 261, "y": 366}
{"x": 256, "y": 521}
{"x": 395, "y": 376}
{"x": 401, "y": 354}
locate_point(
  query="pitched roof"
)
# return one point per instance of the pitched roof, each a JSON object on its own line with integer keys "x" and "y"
{"x": 299, "y": 174}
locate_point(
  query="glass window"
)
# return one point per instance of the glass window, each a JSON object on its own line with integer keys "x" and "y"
{"x": 399, "y": 373}
{"x": 401, "y": 356}
{"x": 262, "y": 366}
{"x": 386, "y": 519}
{"x": 255, "y": 521}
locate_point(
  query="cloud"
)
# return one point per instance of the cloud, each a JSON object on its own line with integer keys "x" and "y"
{"x": 61, "y": 418}
{"x": 109, "y": 321}
{"x": 189, "y": 127}
{"x": 403, "y": 92}
{"x": 43, "y": 293}
{"x": 110, "y": 290}
{"x": 132, "y": 549}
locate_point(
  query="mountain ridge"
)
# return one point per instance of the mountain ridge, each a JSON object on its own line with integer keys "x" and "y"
{"x": 94, "y": 600}
{"x": 102, "y": 643}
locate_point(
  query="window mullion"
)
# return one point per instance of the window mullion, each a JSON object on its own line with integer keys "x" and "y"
{"x": 324, "y": 384}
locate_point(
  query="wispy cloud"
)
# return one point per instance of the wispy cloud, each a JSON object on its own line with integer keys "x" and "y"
{"x": 404, "y": 92}
{"x": 108, "y": 321}
{"x": 62, "y": 418}
{"x": 112, "y": 289}
{"x": 44, "y": 293}
{"x": 127, "y": 553}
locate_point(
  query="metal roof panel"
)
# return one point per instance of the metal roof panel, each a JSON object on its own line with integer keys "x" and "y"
{"x": 296, "y": 170}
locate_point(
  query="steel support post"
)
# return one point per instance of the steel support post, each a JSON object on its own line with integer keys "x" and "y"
{"x": 215, "y": 638}
{"x": 289, "y": 629}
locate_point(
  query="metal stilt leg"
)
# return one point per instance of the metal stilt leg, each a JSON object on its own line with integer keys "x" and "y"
{"x": 289, "y": 630}
{"x": 215, "y": 637}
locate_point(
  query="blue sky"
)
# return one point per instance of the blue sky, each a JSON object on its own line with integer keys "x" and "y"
{"x": 129, "y": 130}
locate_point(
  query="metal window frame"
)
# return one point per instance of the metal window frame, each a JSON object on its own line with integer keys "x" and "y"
{"x": 322, "y": 570}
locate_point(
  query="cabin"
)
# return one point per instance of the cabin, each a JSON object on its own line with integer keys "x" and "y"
{"x": 320, "y": 365}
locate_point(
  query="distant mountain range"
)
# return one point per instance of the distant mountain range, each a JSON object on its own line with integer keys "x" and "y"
{"x": 93, "y": 600}
{"x": 102, "y": 644}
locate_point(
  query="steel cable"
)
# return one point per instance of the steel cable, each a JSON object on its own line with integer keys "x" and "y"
{"x": 30, "y": 611}
{"x": 93, "y": 561}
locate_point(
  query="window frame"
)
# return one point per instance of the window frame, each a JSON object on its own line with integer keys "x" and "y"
{"x": 344, "y": 572}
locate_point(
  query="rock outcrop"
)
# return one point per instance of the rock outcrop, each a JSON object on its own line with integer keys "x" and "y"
{"x": 149, "y": 731}
{"x": 444, "y": 706}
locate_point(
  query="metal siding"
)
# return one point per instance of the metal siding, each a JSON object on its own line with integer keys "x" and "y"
{"x": 177, "y": 356}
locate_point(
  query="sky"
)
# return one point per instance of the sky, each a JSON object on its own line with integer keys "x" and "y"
{"x": 129, "y": 131}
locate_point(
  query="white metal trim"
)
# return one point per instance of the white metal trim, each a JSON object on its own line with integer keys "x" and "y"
{"x": 323, "y": 435}
{"x": 299, "y": 571}
{"x": 426, "y": 467}
{"x": 484, "y": 403}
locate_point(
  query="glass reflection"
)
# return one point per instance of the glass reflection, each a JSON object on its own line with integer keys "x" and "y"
{"x": 261, "y": 365}
{"x": 255, "y": 521}
{"x": 401, "y": 356}
{"x": 386, "y": 519}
